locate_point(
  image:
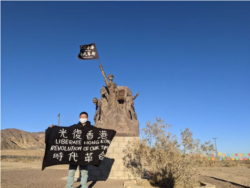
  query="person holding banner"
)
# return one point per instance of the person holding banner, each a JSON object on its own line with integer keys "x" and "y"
{"x": 83, "y": 121}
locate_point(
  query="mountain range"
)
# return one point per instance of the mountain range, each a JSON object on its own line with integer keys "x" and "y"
{"x": 19, "y": 139}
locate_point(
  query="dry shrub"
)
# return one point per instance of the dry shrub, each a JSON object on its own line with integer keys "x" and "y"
{"x": 167, "y": 162}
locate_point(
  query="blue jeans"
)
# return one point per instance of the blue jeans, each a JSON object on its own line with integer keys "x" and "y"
{"x": 84, "y": 176}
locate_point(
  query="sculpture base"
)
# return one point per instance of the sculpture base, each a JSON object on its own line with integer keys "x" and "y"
{"x": 112, "y": 169}
{"x": 120, "y": 123}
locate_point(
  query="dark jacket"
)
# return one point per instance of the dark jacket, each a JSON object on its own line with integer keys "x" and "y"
{"x": 79, "y": 124}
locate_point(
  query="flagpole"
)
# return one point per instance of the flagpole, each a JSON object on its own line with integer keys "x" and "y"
{"x": 99, "y": 61}
{"x": 98, "y": 55}
{"x": 58, "y": 119}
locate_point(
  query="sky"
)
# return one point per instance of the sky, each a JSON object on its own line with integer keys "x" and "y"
{"x": 189, "y": 61}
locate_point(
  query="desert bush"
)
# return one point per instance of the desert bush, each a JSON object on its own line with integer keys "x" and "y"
{"x": 168, "y": 166}
{"x": 170, "y": 162}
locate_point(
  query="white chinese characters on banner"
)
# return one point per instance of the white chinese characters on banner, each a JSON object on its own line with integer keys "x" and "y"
{"x": 90, "y": 135}
{"x": 101, "y": 156}
{"x": 58, "y": 156}
{"x": 92, "y": 47}
{"x": 63, "y": 132}
{"x": 103, "y": 134}
{"x": 88, "y": 157}
{"x": 77, "y": 134}
{"x": 73, "y": 155}
{"x": 88, "y": 51}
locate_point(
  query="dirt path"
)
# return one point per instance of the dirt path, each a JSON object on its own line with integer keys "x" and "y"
{"x": 30, "y": 175}
{"x": 235, "y": 175}
{"x": 220, "y": 183}
{"x": 23, "y": 152}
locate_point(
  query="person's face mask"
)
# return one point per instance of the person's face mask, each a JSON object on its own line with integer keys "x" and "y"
{"x": 83, "y": 120}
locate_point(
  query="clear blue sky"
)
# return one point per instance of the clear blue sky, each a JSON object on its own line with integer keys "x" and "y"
{"x": 190, "y": 61}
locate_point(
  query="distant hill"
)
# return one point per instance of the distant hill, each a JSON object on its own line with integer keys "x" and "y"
{"x": 18, "y": 139}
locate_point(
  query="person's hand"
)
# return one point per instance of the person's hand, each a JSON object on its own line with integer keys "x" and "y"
{"x": 51, "y": 125}
{"x": 100, "y": 67}
{"x": 137, "y": 93}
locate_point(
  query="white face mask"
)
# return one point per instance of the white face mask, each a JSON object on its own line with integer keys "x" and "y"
{"x": 83, "y": 120}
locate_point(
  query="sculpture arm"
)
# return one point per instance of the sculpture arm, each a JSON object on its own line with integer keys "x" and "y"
{"x": 135, "y": 95}
{"x": 104, "y": 75}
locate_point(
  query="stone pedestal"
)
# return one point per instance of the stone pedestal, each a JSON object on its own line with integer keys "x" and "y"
{"x": 112, "y": 166}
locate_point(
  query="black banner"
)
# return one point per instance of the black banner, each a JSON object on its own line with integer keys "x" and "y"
{"x": 88, "y": 51}
{"x": 76, "y": 145}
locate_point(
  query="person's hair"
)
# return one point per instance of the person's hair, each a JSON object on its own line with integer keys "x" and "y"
{"x": 83, "y": 113}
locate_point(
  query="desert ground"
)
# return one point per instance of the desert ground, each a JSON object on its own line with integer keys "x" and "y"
{"x": 22, "y": 172}
{"x": 27, "y": 175}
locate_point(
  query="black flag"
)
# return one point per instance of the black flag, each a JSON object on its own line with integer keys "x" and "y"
{"x": 76, "y": 145}
{"x": 88, "y": 51}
